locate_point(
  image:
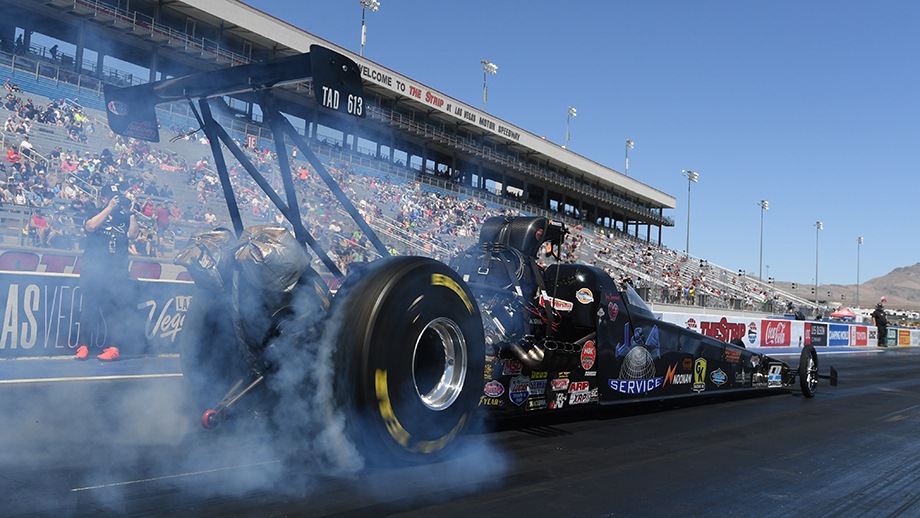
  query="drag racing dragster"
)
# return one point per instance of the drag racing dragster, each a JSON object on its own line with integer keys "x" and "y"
{"x": 408, "y": 349}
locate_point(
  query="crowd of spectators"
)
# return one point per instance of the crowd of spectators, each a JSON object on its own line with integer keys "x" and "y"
{"x": 57, "y": 185}
{"x": 52, "y": 188}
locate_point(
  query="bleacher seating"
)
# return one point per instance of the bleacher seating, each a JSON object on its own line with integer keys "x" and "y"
{"x": 412, "y": 211}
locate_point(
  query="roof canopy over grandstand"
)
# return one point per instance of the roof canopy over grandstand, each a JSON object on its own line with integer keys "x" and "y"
{"x": 408, "y": 123}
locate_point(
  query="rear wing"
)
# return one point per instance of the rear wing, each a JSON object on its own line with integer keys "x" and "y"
{"x": 336, "y": 85}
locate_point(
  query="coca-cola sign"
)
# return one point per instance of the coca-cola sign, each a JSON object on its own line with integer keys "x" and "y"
{"x": 776, "y": 333}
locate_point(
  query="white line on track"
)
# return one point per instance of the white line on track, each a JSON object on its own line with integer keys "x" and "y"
{"x": 177, "y": 475}
{"x": 89, "y": 378}
{"x": 827, "y": 353}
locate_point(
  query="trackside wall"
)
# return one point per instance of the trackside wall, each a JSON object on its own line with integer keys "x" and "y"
{"x": 756, "y": 331}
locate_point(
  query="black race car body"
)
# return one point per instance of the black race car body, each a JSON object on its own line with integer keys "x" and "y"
{"x": 603, "y": 345}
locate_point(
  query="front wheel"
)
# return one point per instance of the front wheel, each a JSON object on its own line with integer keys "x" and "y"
{"x": 808, "y": 371}
{"x": 410, "y": 353}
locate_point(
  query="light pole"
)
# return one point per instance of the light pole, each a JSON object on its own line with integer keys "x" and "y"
{"x": 373, "y": 5}
{"x": 692, "y": 177}
{"x": 487, "y": 68}
{"x": 859, "y": 242}
{"x": 572, "y": 112}
{"x": 818, "y": 228}
{"x": 764, "y": 206}
{"x": 629, "y": 145}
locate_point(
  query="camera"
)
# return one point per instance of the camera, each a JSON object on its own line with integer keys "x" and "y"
{"x": 124, "y": 203}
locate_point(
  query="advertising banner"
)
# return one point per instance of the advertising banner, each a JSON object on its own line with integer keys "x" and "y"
{"x": 776, "y": 333}
{"x": 41, "y": 316}
{"x": 838, "y": 334}
{"x": 815, "y": 334}
{"x": 859, "y": 335}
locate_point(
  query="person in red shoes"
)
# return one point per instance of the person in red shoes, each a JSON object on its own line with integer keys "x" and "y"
{"x": 104, "y": 281}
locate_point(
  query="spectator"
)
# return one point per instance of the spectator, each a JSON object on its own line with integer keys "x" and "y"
{"x": 44, "y": 232}
{"x": 104, "y": 280}
{"x": 880, "y": 320}
{"x": 161, "y": 215}
{"x": 25, "y": 147}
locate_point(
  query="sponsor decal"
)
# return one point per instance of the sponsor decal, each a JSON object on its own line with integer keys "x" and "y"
{"x": 580, "y": 398}
{"x": 588, "y": 355}
{"x": 579, "y": 386}
{"x": 838, "y": 334}
{"x": 699, "y": 375}
{"x": 776, "y": 333}
{"x": 775, "y": 377}
{"x": 743, "y": 378}
{"x": 564, "y": 374}
{"x": 559, "y": 402}
{"x": 558, "y": 304}
{"x": 519, "y": 390}
{"x": 490, "y": 401}
{"x": 118, "y": 108}
{"x": 691, "y": 324}
{"x": 613, "y": 310}
{"x": 752, "y": 333}
{"x": 584, "y": 296}
{"x": 511, "y": 367}
{"x": 579, "y": 392}
{"x": 672, "y": 378}
{"x": 718, "y": 377}
{"x": 536, "y": 404}
{"x": 537, "y": 387}
{"x": 639, "y": 386}
{"x": 144, "y": 130}
{"x": 732, "y": 355}
{"x": 487, "y": 371}
{"x": 494, "y": 389}
{"x": 755, "y": 360}
{"x": 538, "y": 375}
{"x": 687, "y": 364}
{"x": 559, "y": 385}
{"x": 589, "y": 374}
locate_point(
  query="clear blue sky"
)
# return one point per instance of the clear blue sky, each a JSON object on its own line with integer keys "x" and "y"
{"x": 812, "y": 106}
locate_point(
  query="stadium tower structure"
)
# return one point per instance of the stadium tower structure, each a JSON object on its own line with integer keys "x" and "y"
{"x": 410, "y": 125}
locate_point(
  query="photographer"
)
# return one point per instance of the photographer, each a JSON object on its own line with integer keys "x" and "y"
{"x": 104, "y": 280}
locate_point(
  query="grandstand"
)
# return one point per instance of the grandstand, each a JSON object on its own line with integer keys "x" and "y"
{"x": 423, "y": 178}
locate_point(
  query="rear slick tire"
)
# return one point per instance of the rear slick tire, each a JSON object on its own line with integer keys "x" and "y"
{"x": 410, "y": 354}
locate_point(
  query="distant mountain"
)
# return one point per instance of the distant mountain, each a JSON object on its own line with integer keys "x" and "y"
{"x": 901, "y": 286}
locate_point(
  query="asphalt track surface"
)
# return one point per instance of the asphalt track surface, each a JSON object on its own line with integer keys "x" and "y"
{"x": 93, "y": 439}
